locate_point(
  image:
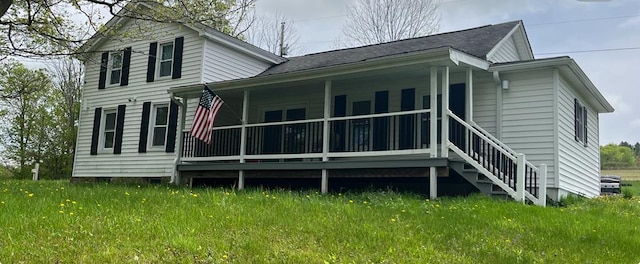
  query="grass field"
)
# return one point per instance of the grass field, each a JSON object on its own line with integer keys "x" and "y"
{"x": 55, "y": 222}
{"x": 627, "y": 175}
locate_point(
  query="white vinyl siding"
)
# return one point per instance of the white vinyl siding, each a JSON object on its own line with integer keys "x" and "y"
{"x": 223, "y": 63}
{"x": 579, "y": 166}
{"x": 527, "y": 116}
{"x": 130, "y": 163}
{"x": 505, "y": 52}
{"x": 484, "y": 101}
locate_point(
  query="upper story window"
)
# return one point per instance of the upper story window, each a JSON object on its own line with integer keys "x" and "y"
{"x": 166, "y": 59}
{"x": 160, "y": 123}
{"x": 580, "y": 122}
{"x": 115, "y": 69}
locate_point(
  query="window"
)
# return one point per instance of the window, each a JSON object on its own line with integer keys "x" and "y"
{"x": 115, "y": 69}
{"x": 160, "y": 121}
{"x": 166, "y": 59}
{"x": 109, "y": 129}
{"x": 580, "y": 122}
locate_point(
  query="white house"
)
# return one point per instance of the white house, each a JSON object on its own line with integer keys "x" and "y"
{"x": 513, "y": 122}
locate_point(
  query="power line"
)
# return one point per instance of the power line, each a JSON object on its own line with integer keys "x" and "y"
{"x": 582, "y": 20}
{"x": 587, "y": 51}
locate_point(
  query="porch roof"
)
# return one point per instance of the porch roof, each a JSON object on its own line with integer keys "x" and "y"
{"x": 469, "y": 46}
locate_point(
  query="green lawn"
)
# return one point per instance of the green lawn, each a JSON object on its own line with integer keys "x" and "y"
{"x": 55, "y": 222}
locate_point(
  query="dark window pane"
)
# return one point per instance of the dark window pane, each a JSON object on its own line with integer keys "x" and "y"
{"x": 158, "y": 136}
{"x": 161, "y": 115}
{"x": 167, "y": 52}
{"x": 110, "y": 121}
{"x": 116, "y": 60}
{"x": 115, "y": 77}
{"x": 165, "y": 68}
{"x": 108, "y": 139}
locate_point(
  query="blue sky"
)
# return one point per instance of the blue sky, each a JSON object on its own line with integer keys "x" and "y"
{"x": 564, "y": 26}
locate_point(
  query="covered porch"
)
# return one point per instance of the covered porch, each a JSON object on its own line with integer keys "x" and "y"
{"x": 385, "y": 113}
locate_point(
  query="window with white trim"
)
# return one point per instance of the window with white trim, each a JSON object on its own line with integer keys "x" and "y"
{"x": 165, "y": 64}
{"x": 580, "y": 122}
{"x": 109, "y": 131}
{"x": 115, "y": 67}
{"x": 159, "y": 126}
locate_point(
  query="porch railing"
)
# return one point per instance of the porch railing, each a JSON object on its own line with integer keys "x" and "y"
{"x": 503, "y": 166}
{"x": 406, "y": 132}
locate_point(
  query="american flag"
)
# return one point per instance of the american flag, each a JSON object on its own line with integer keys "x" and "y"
{"x": 206, "y": 112}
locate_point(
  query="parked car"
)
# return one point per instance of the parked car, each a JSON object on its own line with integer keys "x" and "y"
{"x": 610, "y": 184}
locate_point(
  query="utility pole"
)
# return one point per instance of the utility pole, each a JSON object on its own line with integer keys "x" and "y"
{"x": 282, "y": 39}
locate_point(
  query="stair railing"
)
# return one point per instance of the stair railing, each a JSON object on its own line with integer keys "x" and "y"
{"x": 501, "y": 164}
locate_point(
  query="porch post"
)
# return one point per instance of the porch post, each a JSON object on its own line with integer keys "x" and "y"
{"x": 542, "y": 191}
{"x": 433, "y": 132}
{"x": 183, "y": 117}
{"x": 445, "y": 113}
{"x": 433, "y": 183}
{"x": 469, "y": 105}
{"x": 520, "y": 184}
{"x": 324, "y": 186}
{"x": 243, "y": 137}
{"x": 469, "y": 96}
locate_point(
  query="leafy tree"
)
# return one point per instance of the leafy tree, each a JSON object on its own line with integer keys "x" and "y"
{"x": 35, "y": 28}
{"x": 378, "y": 21}
{"x": 25, "y": 109}
{"x": 626, "y": 144}
{"x": 636, "y": 149}
{"x": 613, "y": 156}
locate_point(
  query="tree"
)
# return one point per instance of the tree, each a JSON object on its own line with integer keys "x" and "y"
{"x": 24, "y": 106}
{"x": 613, "y": 156}
{"x": 36, "y": 28}
{"x": 267, "y": 33}
{"x": 378, "y": 21}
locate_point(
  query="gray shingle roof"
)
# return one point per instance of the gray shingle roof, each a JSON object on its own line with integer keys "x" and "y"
{"x": 475, "y": 41}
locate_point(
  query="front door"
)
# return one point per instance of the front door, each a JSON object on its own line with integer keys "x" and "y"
{"x": 360, "y": 127}
{"x": 457, "y": 105}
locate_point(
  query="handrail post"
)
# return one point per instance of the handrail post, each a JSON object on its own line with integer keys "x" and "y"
{"x": 243, "y": 137}
{"x": 520, "y": 184}
{"x": 444, "y": 147}
{"x": 542, "y": 191}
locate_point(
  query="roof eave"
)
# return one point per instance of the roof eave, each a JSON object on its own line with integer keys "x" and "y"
{"x": 444, "y": 54}
{"x": 604, "y": 105}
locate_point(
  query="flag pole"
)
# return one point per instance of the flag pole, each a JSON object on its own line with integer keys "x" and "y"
{"x": 230, "y": 109}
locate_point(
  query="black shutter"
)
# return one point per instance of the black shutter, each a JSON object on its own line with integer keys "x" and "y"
{"x": 117, "y": 148}
{"x": 407, "y": 122}
{"x": 104, "y": 61}
{"x": 584, "y": 123}
{"x": 381, "y": 124}
{"x": 576, "y": 123}
{"x": 177, "y": 58}
{"x": 171, "y": 128}
{"x": 95, "y": 135}
{"x": 126, "y": 61}
{"x": 144, "y": 127}
{"x": 151, "y": 64}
